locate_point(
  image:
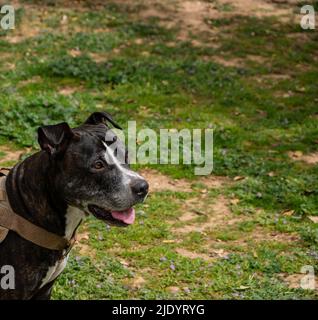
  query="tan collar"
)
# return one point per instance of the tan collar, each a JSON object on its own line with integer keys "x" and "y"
{"x": 24, "y": 228}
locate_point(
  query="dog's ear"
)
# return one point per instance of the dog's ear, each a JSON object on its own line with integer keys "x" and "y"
{"x": 101, "y": 117}
{"x": 55, "y": 138}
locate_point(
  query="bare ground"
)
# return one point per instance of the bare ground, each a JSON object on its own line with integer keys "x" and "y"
{"x": 299, "y": 280}
{"x": 310, "y": 158}
{"x": 160, "y": 182}
{"x": 10, "y": 154}
{"x": 217, "y": 213}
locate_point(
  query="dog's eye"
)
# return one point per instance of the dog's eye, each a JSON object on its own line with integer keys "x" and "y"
{"x": 98, "y": 165}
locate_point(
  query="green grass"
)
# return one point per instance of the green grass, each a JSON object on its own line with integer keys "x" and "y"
{"x": 180, "y": 86}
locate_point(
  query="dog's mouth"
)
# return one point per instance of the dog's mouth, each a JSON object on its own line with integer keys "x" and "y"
{"x": 118, "y": 218}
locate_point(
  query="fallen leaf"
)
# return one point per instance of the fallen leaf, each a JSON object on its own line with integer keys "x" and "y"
{"x": 242, "y": 288}
{"x": 288, "y": 213}
{"x": 237, "y": 178}
{"x": 169, "y": 241}
{"x": 201, "y": 213}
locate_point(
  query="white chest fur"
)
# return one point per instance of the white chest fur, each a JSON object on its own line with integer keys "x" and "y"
{"x": 74, "y": 217}
{"x": 54, "y": 271}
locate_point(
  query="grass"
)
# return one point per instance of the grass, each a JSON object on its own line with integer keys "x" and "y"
{"x": 139, "y": 69}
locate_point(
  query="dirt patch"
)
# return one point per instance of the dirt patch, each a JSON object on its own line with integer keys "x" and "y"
{"x": 256, "y": 58}
{"x": 228, "y": 62}
{"x": 85, "y": 250}
{"x": 139, "y": 279}
{"x": 249, "y": 241}
{"x": 155, "y": 11}
{"x": 218, "y": 253}
{"x": 97, "y": 57}
{"x": 259, "y": 234}
{"x": 257, "y": 8}
{"x": 213, "y": 181}
{"x": 192, "y": 255}
{"x": 217, "y": 214}
{"x": 10, "y": 155}
{"x": 21, "y": 35}
{"x": 5, "y": 55}
{"x": 234, "y": 61}
{"x": 212, "y": 254}
{"x": 188, "y": 216}
{"x": 300, "y": 280}
{"x": 68, "y": 90}
{"x": 135, "y": 283}
{"x": 271, "y": 80}
{"x": 313, "y": 219}
{"x": 82, "y": 245}
{"x": 311, "y": 158}
{"x": 9, "y": 66}
{"x": 160, "y": 182}
{"x": 35, "y": 79}
{"x": 300, "y": 37}
{"x": 275, "y": 77}
{"x": 190, "y": 17}
{"x": 30, "y": 27}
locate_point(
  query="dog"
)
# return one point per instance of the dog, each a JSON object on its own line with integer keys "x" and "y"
{"x": 76, "y": 173}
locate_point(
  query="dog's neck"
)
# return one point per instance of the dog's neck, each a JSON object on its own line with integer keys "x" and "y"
{"x": 33, "y": 195}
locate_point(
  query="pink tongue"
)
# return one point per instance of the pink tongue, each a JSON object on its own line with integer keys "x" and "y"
{"x": 127, "y": 216}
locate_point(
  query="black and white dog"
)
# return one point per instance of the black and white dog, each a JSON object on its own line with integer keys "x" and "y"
{"x": 75, "y": 174}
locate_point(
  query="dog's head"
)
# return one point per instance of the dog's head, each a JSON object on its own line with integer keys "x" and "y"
{"x": 91, "y": 169}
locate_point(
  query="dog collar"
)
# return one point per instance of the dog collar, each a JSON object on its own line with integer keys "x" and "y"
{"x": 9, "y": 220}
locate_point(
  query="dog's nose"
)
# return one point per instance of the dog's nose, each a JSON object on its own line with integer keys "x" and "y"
{"x": 140, "y": 188}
